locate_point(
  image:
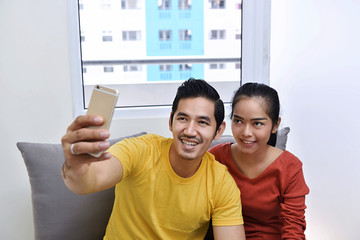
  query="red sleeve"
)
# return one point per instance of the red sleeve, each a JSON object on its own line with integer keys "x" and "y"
{"x": 216, "y": 150}
{"x": 293, "y": 205}
{"x": 221, "y": 152}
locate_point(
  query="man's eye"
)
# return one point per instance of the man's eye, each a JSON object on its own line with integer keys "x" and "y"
{"x": 204, "y": 123}
{"x": 237, "y": 121}
{"x": 258, "y": 124}
{"x": 181, "y": 119}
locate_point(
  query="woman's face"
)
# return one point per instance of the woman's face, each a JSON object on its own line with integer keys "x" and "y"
{"x": 251, "y": 125}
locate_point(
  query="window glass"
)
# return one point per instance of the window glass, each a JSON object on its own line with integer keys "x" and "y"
{"x": 145, "y": 49}
{"x": 162, "y": 37}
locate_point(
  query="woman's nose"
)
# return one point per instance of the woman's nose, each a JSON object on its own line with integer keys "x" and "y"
{"x": 247, "y": 132}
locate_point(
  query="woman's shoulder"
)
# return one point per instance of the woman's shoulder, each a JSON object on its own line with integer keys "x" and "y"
{"x": 289, "y": 161}
{"x": 221, "y": 152}
{"x": 220, "y": 147}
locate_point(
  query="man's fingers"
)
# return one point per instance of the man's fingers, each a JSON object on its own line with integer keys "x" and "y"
{"x": 88, "y": 134}
{"x": 85, "y": 121}
{"x": 86, "y": 147}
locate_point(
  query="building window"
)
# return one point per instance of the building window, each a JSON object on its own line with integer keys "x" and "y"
{"x": 131, "y": 35}
{"x": 107, "y": 36}
{"x": 216, "y": 4}
{"x": 216, "y": 66}
{"x": 185, "y": 67}
{"x": 185, "y": 35}
{"x": 184, "y": 4}
{"x": 164, "y": 4}
{"x": 108, "y": 69}
{"x": 130, "y": 4}
{"x": 165, "y": 35}
{"x": 217, "y": 34}
{"x": 165, "y": 68}
{"x": 132, "y": 68}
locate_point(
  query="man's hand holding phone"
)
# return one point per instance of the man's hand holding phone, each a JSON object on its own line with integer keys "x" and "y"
{"x": 85, "y": 139}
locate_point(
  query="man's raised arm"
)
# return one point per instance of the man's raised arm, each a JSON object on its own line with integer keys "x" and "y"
{"x": 81, "y": 172}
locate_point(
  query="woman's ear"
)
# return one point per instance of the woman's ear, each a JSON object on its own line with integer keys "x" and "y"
{"x": 220, "y": 131}
{"x": 276, "y": 126}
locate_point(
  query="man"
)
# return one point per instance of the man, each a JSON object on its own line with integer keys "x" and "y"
{"x": 165, "y": 188}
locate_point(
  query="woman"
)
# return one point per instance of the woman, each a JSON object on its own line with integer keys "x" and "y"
{"x": 271, "y": 181}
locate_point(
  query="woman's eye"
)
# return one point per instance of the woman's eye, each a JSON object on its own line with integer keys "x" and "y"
{"x": 258, "y": 124}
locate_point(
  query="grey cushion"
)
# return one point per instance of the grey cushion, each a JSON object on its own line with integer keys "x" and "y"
{"x": 58, "y": 213}
{"x": 281, "y": 138}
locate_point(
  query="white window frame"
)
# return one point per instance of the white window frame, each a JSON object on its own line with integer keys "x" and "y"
{"x": 255, "y": 57}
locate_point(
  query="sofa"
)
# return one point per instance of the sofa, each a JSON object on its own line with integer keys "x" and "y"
{"x": 58, "y": 213}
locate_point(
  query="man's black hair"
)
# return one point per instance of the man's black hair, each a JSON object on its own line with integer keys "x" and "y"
{"x": 192, "y": 88}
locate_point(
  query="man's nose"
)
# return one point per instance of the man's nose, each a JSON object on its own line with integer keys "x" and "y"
{"x": 190, "y": 129}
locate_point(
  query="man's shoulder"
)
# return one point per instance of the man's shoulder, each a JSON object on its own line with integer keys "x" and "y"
{"x": 215, "y": 166}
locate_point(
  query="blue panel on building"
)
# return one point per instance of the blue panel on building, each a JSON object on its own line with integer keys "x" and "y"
{"x": 174, "y": 20}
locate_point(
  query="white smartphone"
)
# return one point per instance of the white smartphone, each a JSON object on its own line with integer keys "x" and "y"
{"x": 102, "y": 102}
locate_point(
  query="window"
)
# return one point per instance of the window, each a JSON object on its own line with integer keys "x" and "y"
{"x": 185, "y": 67}
{"x": 217, "y": 34}
{"x": 164, "y": 35}
{"x": 217, "y": 65}
{"x": 164, "y": 4}
{"x": 184, "y": 4}
{"x": 216, "y": 4}
{"x": 131, "y": 35}
{"x": 107, "y": 36}
{"x": 166, "y": 68}
{"x": 132, "y": 68}
{"x": 185, "y": 35}
{"x": 160, "y": 49}
{"x": 130, "y": 4}
{"x": 108, "y": 69}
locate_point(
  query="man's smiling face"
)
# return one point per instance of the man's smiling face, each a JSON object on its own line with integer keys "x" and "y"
{"x": 193, "y": 128}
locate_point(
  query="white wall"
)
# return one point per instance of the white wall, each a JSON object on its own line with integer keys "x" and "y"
{"x": 36, "y": 100}
{"x": 314, "y": 65}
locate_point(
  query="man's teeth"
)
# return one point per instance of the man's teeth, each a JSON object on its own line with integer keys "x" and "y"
{"x": 189, "y": 143}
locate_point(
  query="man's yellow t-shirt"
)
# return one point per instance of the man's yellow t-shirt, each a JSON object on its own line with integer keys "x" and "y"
{"x": 153, "y": 202}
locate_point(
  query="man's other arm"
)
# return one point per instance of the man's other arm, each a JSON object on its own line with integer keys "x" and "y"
{"x": 236, "y": 232}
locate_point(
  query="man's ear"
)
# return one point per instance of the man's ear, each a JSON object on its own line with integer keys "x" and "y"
{"x": 276, "y": 127}
{"x": 220, "y": 131}
{"x": 170, "y": 122}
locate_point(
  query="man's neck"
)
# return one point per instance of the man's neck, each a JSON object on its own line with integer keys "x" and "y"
{"x": 183, "y": 167}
